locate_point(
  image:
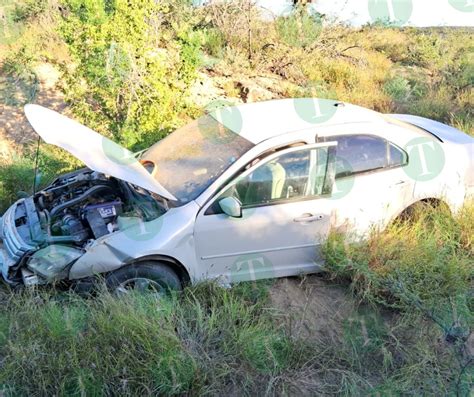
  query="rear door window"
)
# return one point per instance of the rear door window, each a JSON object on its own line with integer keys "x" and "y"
{"x": 357, "y": 154}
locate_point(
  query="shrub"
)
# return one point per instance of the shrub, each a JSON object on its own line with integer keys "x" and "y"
{"x": 214, "y": 42}
{"x": 126, "y": 82}
{"x": 398, "y": 88}
{"x": 393, "y": 43}
{"x": 426, "y": 51}
{"x": 29, "y": 9}
{"x": 301, "y": 28}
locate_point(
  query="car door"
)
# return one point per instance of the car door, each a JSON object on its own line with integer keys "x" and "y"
{"x": 371, "y": 185}
{"x": 286, "y": 214}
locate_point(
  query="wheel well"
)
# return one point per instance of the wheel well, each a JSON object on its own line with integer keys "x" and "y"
{"x": 431, "y": 201}
{"x": 434, "y": 202}
{"x": 174, "y": 264}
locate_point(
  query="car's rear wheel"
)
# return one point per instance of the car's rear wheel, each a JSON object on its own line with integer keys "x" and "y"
{"x": 153, "y": 278}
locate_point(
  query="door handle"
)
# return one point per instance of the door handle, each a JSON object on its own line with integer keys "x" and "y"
{"x": 309, "y": 218}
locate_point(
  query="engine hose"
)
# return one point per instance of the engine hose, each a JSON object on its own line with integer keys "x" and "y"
{"x": 77, "y": 200}
{"x": 41, "y": 201}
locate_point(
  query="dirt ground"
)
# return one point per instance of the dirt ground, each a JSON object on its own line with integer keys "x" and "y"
{"x": 314, "y": 308}
{"x": 14, "y": 128}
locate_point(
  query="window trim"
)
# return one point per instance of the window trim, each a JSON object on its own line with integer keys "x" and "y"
{"x": 330, "y": 176}
{"x": 374, "y": 170}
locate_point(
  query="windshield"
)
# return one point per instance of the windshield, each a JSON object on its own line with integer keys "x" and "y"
{"x": 190, "y": 159}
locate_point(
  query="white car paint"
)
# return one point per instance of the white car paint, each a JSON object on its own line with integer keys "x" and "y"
{"x": 268, "y": 119}
{"x": 269, "y": 240}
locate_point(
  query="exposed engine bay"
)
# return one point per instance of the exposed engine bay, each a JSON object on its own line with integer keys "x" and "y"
{"x": 46, "y": 233}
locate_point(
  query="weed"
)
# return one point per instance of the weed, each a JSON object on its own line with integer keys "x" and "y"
{"x": 398, "y": 88}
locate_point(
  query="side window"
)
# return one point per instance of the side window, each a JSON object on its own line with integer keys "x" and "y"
{"x": 361, "y": 153}
{"x": 291, "y": 176}
{"x": 396, "y": 156}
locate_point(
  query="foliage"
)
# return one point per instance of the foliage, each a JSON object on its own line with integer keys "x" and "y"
{"x": 214, "y": 42}
{"x": 300, "y": 28}
{"x": 424, "y": 262}
{"x": 398, "y": 88}
{"x": 29, "y": 9}
{"x": 134, "y": 63}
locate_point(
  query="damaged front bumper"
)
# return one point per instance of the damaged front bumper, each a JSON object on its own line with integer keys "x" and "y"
{"x": 25, "y": 255}
{"x": 13, "y": 246}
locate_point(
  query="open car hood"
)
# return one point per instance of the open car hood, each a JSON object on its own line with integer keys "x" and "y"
{"x": 96, "y": 151}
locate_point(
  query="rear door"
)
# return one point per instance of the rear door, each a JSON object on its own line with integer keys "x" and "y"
{"x": 286, "y": 214}
{"x": 372, "y": 185}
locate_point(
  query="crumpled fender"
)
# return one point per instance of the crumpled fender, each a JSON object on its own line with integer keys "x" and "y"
{"x": 170, "y": 235}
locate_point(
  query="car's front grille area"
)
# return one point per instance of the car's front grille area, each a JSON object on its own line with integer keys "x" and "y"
{"x": 14, "y": 246}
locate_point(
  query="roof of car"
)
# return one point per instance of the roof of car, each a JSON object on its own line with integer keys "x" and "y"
{"x": 260, "y": 121}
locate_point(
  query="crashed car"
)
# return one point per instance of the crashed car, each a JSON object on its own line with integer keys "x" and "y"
{"x": 243, "y": 193}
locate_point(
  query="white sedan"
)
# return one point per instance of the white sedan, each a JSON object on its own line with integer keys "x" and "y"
{"x": 243, "y": 193}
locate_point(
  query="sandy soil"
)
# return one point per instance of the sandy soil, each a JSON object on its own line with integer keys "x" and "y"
{"x": 312, "y": 307}
{"x": 14, "y": 128}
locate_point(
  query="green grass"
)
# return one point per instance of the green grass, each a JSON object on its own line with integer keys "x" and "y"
{"x": 428, "y": 259}
{"x": 212, "y": 341}
{"x": 421, "y": 265}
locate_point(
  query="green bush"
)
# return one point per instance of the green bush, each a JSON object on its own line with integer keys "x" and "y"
{"x": 426, "y": 51}
{"x": 135, "y": 62}
{"x": 301, "y": 28}
{"x": 398, "y": 88}
{"x": 27, "y": 9}
{"x": 214, "y": 42}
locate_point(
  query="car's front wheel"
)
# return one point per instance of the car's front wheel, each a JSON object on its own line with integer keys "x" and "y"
{"x": 146, "y": 277}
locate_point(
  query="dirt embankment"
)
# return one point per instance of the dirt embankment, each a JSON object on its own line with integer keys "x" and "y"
{"x": 14, "y": 128}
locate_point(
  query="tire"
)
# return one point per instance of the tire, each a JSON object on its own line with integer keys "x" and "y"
{"x": 145, "y": 277}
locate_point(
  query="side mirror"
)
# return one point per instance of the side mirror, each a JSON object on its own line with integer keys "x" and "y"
{"x": 231, "y": 206}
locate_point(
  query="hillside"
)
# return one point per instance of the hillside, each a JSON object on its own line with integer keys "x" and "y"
{"x": 392, "y": 316}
